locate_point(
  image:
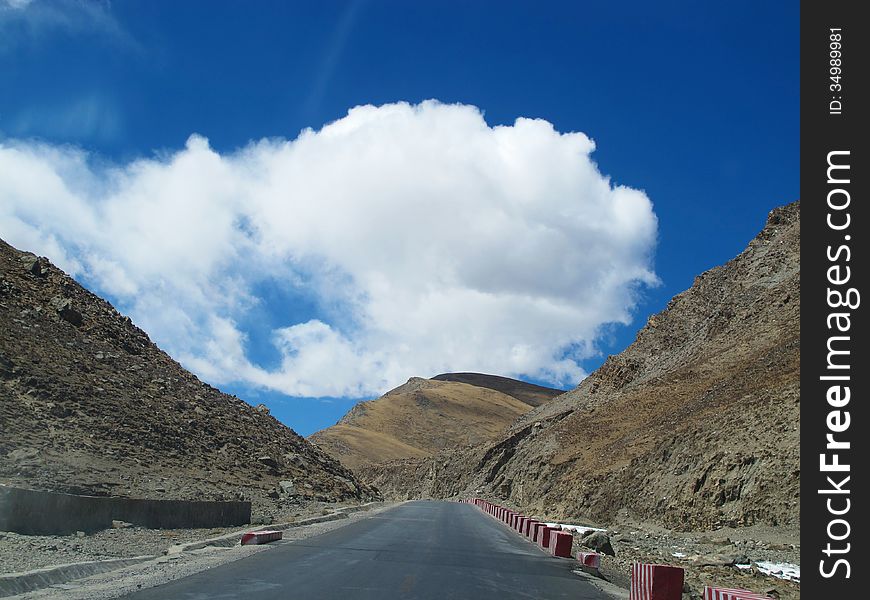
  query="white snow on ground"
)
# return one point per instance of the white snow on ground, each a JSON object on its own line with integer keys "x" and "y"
{"x": 786, "y": 571}
{"x": 679, "y": 554}
{"x": 581, "y": 529}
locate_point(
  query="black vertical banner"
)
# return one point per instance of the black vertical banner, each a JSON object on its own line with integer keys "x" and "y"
{"x": 834, "y": 299}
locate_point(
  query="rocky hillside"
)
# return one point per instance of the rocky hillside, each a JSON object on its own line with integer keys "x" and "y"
{"x": 694, "y": 426}
{"x": 88, "y": 404}
{"x": 425, "y": 416}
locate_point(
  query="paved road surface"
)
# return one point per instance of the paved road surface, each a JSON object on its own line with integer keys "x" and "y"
{"x": 418, "y": 550}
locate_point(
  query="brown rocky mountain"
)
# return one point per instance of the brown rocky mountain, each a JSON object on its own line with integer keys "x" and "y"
{"x": 694, "y": 426}
{"x": 424, "y": 416}
{"x": 88, "y": 404}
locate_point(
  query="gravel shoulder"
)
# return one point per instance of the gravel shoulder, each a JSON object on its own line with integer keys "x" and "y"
{"x": 171, "y": 561}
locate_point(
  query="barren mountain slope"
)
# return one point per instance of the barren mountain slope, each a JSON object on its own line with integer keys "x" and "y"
{"x": 88, "y": 404}
{"x": 695, "y": 425}
{"x": 425, "y": 416}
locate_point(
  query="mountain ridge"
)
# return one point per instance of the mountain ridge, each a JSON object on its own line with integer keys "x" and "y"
{"x": 530, "y": 393}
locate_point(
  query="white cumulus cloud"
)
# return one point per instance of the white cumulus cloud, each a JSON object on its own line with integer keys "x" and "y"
{"x": 428, "y": 241}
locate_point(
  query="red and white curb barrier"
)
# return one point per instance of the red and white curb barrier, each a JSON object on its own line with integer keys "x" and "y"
{"x": 536, "y": 532}
{"x": 656, "y": 582}
{"x": 648, "y": 582}
{"x": 591, "y": 560}
{"x": 544, "y": 537}
{"x": 560, "y": 543}
{"x": 711, "y": 593}
{"x": 530, "y": 525}
{"x": 549, "y": 539}
{"x": 260, "y": 537}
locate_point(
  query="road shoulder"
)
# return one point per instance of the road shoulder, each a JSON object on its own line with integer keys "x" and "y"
{"x": 87, "y": 582}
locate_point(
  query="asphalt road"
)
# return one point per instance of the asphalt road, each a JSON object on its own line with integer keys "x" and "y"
{"x": 419, "y": 550}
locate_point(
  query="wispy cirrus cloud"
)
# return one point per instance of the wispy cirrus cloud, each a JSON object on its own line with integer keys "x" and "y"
{"x": 332, "y": 52}
{"x": 427, "y": 240}
{"x": 30, "y": 21}
{"x": 91, "y": 117}
{"x": 14, "y": 4}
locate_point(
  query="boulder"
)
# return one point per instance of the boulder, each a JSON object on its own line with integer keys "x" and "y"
{"x": 65, "y": 310}
{"x": 7, "y": 367}
{"x": 268, "y": 461}
{"x": 598, "y": 541}
{"x": 721, "y": 560}
{"x": 37, "y": 266}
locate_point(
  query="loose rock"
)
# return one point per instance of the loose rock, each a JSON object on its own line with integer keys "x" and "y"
{"x": 598, "y": 541}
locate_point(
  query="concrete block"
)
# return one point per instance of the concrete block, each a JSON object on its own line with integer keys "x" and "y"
{"x": 527, "y": 530}
{"x": 560, "y": 543}
{"x": 656, "y": 582}
{"x": 544, "y": 537}
{"x": 591, "y": 560}
{"x": 261, "y": 537}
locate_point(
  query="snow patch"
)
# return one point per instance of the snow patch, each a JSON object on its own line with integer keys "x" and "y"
{"x": 580, "y": 529}
{"x": 786, "y": 571}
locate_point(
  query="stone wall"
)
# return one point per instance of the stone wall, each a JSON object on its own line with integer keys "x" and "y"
{"x": 45, "y": 513}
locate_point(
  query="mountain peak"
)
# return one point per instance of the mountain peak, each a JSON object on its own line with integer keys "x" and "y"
{"x": 423, "y": 416}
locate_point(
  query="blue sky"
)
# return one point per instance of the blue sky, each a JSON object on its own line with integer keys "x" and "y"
{"x": 694, "y": 106}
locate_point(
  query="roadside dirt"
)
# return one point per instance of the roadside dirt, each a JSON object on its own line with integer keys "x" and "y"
{"x": 699, "y": 552}
{"x": 165, "y": 568}
{"x": 743, "y": 558}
